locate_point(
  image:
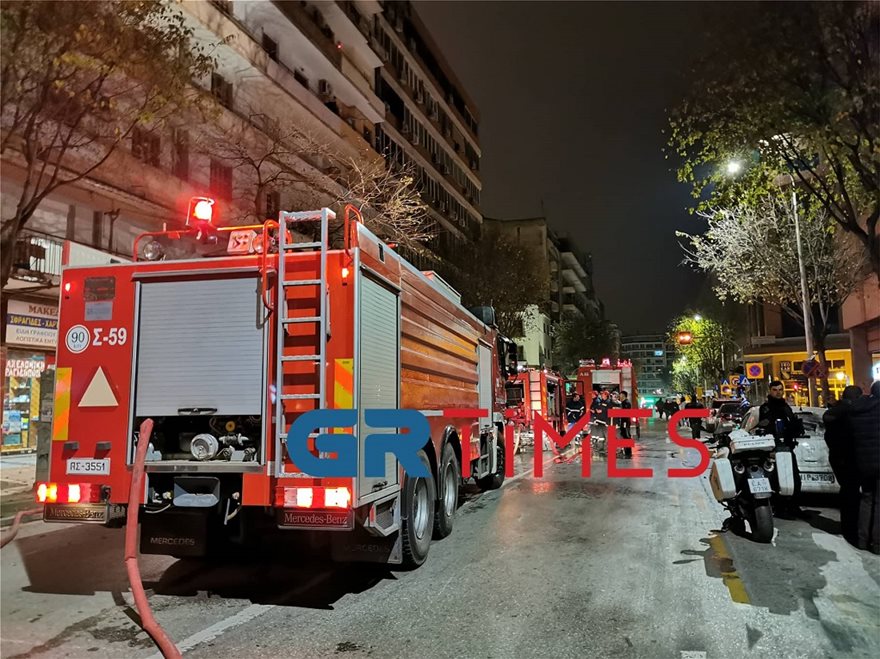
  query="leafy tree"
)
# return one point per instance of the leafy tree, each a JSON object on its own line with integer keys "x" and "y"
{"x": 752, "y": 252}
{"x": 709, "y": 351}
{"x": 685, "y": 375}
{"x": 576, "y": 338}
{"x": 499, "y": 272}
{"x": 791, "y": 91}
{"x": 77, "y": 78}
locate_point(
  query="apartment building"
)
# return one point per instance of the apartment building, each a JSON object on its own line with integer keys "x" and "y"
{"x": 651, "y": 355}
{"x": 569, "y": 271}
{"x": 319, "y": 74}
{"x": 431, "y": 124}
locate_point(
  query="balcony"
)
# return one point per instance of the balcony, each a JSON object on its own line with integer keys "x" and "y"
{"x": 311, "y": 22}
{"x": 37, "y": 258}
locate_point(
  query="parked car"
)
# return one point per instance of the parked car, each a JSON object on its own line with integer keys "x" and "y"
{"x": 817, "y": 477}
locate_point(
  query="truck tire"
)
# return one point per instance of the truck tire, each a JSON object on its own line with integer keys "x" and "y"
{"x": 417, "y": 515}
{"x": 762, "y": 522}
{"x": 494, "y": 481}
{"x": 449, "y": 479}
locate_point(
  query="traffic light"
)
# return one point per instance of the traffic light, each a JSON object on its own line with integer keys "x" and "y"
{"x": 201, "y": 212}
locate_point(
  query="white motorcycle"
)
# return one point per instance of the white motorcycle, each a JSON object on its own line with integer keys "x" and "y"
{"x": 746, "y": 471}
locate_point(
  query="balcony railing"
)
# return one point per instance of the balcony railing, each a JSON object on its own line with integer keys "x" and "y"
{"x": 37, "y": 256}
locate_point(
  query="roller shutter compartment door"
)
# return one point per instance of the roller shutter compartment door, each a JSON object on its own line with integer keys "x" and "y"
{"x": 200, "y": 344}
{"x": 378, "y": 371}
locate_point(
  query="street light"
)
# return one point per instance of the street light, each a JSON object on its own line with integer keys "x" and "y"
{"x": 698, "y": 317}
{"x": 734, "y": 167}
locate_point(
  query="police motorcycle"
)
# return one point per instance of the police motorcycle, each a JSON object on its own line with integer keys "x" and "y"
{"x": 747, "y": 471}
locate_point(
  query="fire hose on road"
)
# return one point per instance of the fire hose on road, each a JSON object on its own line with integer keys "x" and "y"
{"x": 10, "y": 536}
{"x": 148, "y": 622}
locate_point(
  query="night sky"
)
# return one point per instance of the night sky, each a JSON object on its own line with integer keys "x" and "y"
{"x": 572, "y": 98}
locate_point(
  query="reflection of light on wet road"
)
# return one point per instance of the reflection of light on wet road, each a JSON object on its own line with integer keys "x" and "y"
{"x": 542, "y": 487}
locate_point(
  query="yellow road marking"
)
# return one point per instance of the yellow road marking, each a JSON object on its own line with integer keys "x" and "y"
{"x": 730, "y": 577}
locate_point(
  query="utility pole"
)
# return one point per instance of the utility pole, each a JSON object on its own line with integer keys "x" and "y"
{"x": 805, "y": 297}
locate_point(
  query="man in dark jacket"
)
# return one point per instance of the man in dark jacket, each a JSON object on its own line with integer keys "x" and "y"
{"x": 777, "y": 418}
{"x": 865, "y": 419}
{"x": 695, "y": 424}
{"x": 574, "y": 410}
{"x": 842, "y": 456}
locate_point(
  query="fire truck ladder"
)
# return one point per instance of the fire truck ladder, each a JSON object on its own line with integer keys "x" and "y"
{"x": 288, "y": 222}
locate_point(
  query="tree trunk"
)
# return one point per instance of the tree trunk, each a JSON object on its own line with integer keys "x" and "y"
{"x": 819, "y": 346}
{"x": 8, "y": 236}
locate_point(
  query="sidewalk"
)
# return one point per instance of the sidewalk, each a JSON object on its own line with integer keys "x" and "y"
{"x": 16, "y": 484}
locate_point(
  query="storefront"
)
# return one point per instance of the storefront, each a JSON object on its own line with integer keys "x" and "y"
{"x": 31, "y": 334}
{"x": 788, "y": 367}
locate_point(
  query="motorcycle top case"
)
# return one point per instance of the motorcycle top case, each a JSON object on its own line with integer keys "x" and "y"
{"x": 785, "y": 473}
{"x": 739, "y": 444}
{"x": 721, "y": 479}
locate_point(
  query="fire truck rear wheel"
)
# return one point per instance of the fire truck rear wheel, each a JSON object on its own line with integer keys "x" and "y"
{"x": 417, "y": 515}
{"x": 494, "y": 481}
{"x": 449, "y": 475}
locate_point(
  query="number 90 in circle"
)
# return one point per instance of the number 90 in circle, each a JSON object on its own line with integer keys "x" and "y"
{"x": 77, "y": 339}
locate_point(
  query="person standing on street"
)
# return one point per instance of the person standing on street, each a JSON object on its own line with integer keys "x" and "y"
{"x": 777, "y": 418}
{"x": 574, "y": 410}
{"x": 659, "y": 406}
{"x": 695, "y": 423}
{"x": 624, "y": 423}
{"x": 865, "y": 419}
{"x": 599, "y": 411}
{"x": 842, "y": 456}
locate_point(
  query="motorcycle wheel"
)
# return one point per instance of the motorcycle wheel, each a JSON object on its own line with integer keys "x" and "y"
{"x": 762, "y": 522}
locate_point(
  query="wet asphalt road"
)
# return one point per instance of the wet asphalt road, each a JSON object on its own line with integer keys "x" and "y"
{"x": 557, "y": 567}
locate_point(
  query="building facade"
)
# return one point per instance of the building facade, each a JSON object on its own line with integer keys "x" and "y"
{"x": 569, "y": 271}
{"x": 316, "y": 74}
{"x": 651, "y": 355}
{"x": 777, "y": 341}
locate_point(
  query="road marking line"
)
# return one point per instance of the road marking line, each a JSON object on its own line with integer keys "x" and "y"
{"x": 731, "y": 579}
{"x": 215, "y": 630}
{"x": 693, "y": 654}
{"x": 513, "y": 479}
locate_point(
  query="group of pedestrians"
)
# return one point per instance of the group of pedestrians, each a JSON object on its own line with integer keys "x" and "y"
{"x": 600, "y": 408}
{"x": 668, "y": 407}
{"x": 852, "y": 432}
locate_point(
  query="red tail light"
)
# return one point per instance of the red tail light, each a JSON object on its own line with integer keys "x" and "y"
{"x": 313, "y": 497}
{"x": 68, "y": 493}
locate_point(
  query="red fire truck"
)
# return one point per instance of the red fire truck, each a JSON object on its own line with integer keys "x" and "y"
{"x": 535, "y": 391}
{"x": 224, "y": 353}
{"x": 611, "y": 376}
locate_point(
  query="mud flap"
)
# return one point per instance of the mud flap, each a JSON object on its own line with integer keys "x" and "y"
{"x": 363, "y": 547}
{"x": 175, "y": 533}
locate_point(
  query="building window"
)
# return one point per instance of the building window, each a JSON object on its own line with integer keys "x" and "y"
{"x": 180, "y": 155}
{"x": 271, "y": 47}
{"x": 271, "y": 204}
{"x": 221, "y": 180}
{"x": 145, "y": 146}
{"x": 301, "y": 79}
{"x": 222, "y": 90}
